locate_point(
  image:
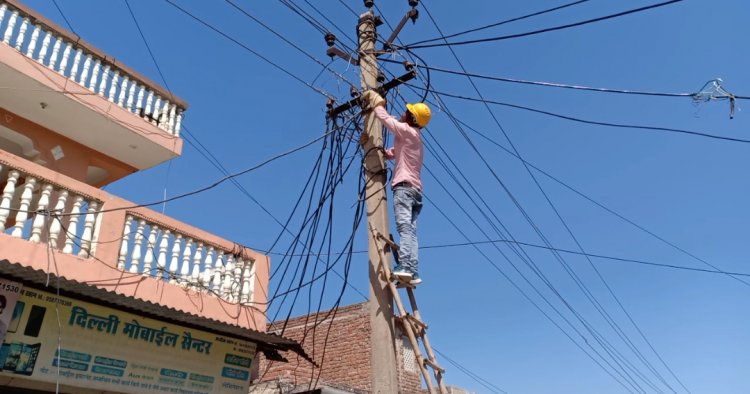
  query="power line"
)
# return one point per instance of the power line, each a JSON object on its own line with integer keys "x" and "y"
{"x": 277, "y": 34}
{"x": 527, "y": 259}
{"x": 601, "y": 205}
{"x": 561, "y": 27}
{"x": 204, "y": 188}
{"x": 148, "y": 47}
{"x": 207, "y": 154}
{"x": 502, "y": 22}
{"x": 65, "y": 18}
{"x": 484, "y": 382}
{"x": 599, "y": 256}
{"x": 592, "y": 122}
{"x": 618, "y": 330}
{"x": 522, "y": 255}
{"x": 567, "y": 86}
{"x": 245, "y": 47}
{"x": 339, "y": 29}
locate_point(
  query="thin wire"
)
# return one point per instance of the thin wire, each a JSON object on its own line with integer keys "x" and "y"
{"x": 148, "y": 47}
{"x": 484, "y": 382}
{"x": 309, "y": 19}
{"x": 572, "y": 273}
{"x": 502, "y": 22}
{"x": 599, "y": 256}
{"x": 202, "y": 189}
{"x": 592, "y": 122}
{"x": 230, "y": 38}
{"x": 527, "y": 260}
{"x": 563, "y": 86}
{"x": 207, "y": 154}
{"x": 67, "y": 22}
{"x": 348, "y": 7}
{"x": 277, "y": 34}
{"x": 561, "y": 27}
{"x": 616, "y": 327}
{"x": 601, "y": 205}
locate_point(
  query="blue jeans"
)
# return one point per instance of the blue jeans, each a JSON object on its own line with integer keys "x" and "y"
{"x": 407, "y": 203}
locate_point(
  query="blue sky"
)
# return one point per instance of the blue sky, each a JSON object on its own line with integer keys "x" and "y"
{"x": 689, "y": 190}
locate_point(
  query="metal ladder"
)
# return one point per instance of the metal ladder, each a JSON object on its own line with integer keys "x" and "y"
{"x": 412, "y": 323}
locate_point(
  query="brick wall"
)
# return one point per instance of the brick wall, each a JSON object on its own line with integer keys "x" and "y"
{"x": 346, "y": 362}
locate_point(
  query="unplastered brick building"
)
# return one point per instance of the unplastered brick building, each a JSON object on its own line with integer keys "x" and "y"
{"x": 341, "y": 345}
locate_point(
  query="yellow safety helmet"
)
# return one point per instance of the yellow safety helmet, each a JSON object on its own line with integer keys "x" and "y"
{"x": 421, "y": 113}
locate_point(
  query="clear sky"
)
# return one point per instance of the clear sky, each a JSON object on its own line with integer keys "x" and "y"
{"x": 689, "y": 190}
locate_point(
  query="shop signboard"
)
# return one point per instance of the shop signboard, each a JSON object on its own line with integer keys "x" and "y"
{"x": 82, "y": 344}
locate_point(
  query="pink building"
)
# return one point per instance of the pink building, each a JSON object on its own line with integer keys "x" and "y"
{"x": 96, "y": 293}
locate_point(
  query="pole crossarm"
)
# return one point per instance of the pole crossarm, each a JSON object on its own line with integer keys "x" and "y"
{"x": 413, "y": 14}
{"x": 382, "y": 89}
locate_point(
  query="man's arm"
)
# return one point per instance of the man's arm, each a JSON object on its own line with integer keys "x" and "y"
{"x": 391, "y": 123}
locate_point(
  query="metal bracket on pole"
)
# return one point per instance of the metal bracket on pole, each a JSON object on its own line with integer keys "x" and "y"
{"x": 382, "y": 89}
{"x": 333, "y": 51}
{"x": 413, "y": 14}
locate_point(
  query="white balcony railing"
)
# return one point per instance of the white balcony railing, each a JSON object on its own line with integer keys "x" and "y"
{"x": 26, "y": 211}
{"x": 71, "y": 217}
{"x": 154, "y": 249}
{"x": 55, "y": 48}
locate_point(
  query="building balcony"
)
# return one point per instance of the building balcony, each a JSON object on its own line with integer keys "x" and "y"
{"x": 54, "y": 224}
{"x": 67, "y": 86}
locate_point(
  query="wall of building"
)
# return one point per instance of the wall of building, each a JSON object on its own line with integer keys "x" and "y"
{"x": 345, "y": 365}
{"x": 74, "y": 159}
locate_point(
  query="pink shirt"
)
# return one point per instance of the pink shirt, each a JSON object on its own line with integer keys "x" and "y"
{"x": 407, "y": 149}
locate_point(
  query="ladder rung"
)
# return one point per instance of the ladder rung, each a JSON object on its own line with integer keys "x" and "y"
{"x": 418, "y": 325}
{"x": 417, "y": 322}
{"x": 393, "y": 245}
{"x": 434, "y": 366}
{"x": 400, "y": 284}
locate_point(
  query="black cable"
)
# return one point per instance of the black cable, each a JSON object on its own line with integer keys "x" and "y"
{"x": 599, "y": 256}
{"x": 202, "y": 189}
{"x": 600, "y": 309}
{"x": 65, "y": 18}
{"x": 539, "y": 308}
{"x": 484, "y": 382}
{"x": 277, "y": 34}
{"x": 348, "y": 7}
{"x": 148, "y": 47}
{"x": 297, "y": 10}
{"x": 573, "y": 275}
{"x": 502, "y": 22}
{"x": 203, "y": 150}
{"x": 527, "y": 260}
{"x": 561, "y": 27}
{"x": 331, "y": 176}
{"x": 245, "y": 47}
{"x": 563, "y": 86}
{"x": 564, "y": 264}
{"x": 602, "y": 206}
{"x": 592, "y": 122}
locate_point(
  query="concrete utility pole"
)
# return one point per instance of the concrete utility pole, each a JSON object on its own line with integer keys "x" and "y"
{"x": 382, "y": 333}
{"x": 383, "y": 353}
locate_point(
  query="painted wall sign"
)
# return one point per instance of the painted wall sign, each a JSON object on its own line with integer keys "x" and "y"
{"x": 108, "y": 349}
{"x": 9, "y": 293}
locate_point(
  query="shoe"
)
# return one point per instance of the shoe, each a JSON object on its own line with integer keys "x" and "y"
{"x": 415, "y": 279}
{"x": 402, "y": 274}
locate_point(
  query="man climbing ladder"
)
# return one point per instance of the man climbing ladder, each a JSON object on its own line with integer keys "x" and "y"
{"x": 406, "y": 182}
